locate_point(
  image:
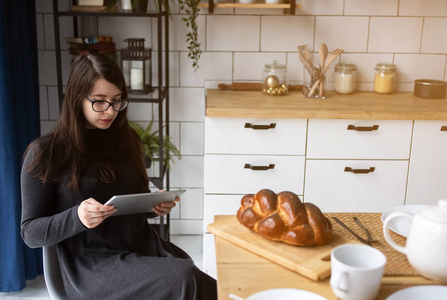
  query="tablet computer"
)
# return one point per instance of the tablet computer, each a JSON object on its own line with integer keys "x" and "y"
{"x": 140, "y": 203}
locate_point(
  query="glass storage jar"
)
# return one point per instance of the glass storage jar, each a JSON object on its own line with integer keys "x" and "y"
{"x": 384, "y": 78}
{"x": 344, "y": 78}
{"x": 274, "y": 79}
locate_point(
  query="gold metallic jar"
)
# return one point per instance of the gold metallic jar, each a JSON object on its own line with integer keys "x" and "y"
{"x": 274, "y": 79}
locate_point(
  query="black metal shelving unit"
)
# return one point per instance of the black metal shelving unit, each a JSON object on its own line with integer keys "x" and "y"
{"x": 159, "y": 96}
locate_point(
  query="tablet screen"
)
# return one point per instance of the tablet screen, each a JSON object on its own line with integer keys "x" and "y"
{"x": 141, "y": 203}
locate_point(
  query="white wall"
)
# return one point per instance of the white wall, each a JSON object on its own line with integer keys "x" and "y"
{"x": 236, "y": 45}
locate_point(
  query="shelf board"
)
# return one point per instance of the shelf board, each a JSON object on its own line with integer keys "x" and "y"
{"x": 246, "y": 5}
{"x": 111, "y": 14}
{"x": 152, "y": 97}
{"x": 212, "y": 6}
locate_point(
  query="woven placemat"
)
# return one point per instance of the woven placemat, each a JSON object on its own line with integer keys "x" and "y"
{"x": 397, "y": 263}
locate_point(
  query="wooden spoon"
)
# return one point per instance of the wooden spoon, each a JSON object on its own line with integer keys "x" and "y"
{"x": 330, "y": 59}
{"x": 323, "y": 55}
{"x": 305, "y": 57}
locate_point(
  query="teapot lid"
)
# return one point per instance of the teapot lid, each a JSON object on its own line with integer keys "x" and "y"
{"x": 436, "y": 213}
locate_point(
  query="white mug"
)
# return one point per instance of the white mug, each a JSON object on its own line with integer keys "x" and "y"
{"x": 356, "y": 271}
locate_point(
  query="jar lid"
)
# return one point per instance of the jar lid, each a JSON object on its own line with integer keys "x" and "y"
{"x": 386, "y": 66}
{"x": 345, "y": 67}
{"x": 430, "y": 82}
{"x": 436, "y": 213}
{"x": 275, "y": 66}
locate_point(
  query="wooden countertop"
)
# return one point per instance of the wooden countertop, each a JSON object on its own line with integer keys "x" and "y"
{"x": 244, "y": 273}
{"x": 359, "y": 105}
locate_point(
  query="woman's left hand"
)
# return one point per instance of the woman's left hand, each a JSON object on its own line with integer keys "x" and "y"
{"x": 165, "y": 208}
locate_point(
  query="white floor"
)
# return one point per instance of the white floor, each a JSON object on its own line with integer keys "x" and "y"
{"x": 36, "y": 290}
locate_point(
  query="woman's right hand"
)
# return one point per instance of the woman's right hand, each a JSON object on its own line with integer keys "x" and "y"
{"x": 92, "y": 213}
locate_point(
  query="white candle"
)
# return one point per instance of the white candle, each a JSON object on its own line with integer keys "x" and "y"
{"x": 344, "y": 83}
{"x": 126, "y": 5}
{"x": 136, "y": 79}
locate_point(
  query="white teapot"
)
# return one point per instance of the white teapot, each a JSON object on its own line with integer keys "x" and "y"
{"x": 426, "y": 246}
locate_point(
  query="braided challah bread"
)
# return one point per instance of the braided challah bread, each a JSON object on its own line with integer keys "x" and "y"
{"x": 282, "y": 217}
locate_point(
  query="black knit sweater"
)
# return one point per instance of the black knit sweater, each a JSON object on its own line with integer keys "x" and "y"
{"x": 123, "y": 257}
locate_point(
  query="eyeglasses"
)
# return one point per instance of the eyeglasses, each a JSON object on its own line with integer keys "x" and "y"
{"x": 103, "y": 105}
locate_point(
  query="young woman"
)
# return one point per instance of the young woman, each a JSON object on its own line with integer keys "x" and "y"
{"x": 67, "y": 176}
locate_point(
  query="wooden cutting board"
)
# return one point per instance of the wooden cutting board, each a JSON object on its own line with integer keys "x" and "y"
{"x": 311, "y": 262}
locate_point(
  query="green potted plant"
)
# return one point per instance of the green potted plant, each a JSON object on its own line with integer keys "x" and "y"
{"x": 190, "y": 7}
{"x": 151, "y": 147}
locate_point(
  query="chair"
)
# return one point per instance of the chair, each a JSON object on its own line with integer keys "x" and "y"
{"x": 52, "y": 273}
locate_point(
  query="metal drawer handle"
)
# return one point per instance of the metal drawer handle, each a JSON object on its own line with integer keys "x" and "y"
{"x": 260, "y": 127}
{"x": 259, "y": 168}
{"x": 363, "y": 128}
{"x": 444, "y": 128}
{"x": 359, "y": 171}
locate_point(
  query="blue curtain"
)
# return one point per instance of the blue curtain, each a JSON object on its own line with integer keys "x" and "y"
{"x": 19, "y": 125}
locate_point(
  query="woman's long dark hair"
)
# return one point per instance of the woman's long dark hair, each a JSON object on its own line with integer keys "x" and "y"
{"x": 64, "y": 148}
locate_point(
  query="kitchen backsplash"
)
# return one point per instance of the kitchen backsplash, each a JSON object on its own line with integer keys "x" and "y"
{"x": 236, "y": 45}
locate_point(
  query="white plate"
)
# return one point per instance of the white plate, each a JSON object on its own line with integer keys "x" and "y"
{"x": 285, "y": 294}
{"x": 422, "y": 292}
{"x": 401, "y": 225}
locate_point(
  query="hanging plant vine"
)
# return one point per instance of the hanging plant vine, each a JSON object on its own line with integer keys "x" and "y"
{"x": 190, "y": 7}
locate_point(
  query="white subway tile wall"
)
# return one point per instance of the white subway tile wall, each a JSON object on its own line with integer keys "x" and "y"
{"x": 433, "y": 40}
{"x": 277, "y": 36}
{"x": 348, "y": 33}
{"x": 395, "y": 34}
{"x": 428, "y": 8}
{"x": 232, "y": 33}
{"x": 43, "y": 107}
{"x": 249, "y": 66}
{"x": 364, "y": 7}
{"x": 236, "y": 45}
{"x": 322, "y": 7}
{"x": 213, "y": 66}
{"x": 191, "y": 138}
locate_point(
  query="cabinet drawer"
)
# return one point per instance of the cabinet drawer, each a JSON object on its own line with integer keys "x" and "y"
{"x": 333, "y": 189}
{"x": 381, "y": 140}
{"x": 427, "y": 174}
{"x": 231, "y": 174}
{"x": 255, "y": 136}
{"x": 219, "y": 205}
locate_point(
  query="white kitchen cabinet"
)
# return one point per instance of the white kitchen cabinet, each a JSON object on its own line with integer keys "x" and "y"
{"x": 357, "y": 165}
{"x": 427, "y": 178}
{"x": 215, "y": 205}
{"x": 359, "y": 139}
{"x": 255, "y": 136}
{"x": 339, "y": 165}
{"x": 247, "y": 174}
{"x": 356, "y": 185}
{"x": 243, "y": 156}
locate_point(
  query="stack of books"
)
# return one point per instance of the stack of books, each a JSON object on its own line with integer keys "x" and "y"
{"x": 85, "y": 45}
{"x": 95, "y": 5}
